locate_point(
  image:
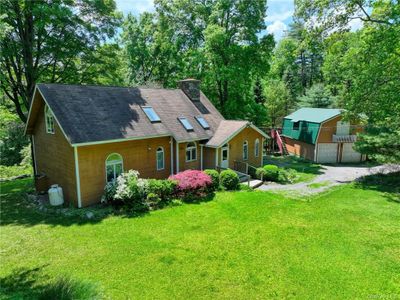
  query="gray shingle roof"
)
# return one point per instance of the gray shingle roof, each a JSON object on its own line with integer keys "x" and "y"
{"x": 226, "y": 130}
{"x": 101, "y": 113}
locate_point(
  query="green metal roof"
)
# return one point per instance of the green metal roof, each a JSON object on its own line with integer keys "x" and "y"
{"x": 315, "y": 115}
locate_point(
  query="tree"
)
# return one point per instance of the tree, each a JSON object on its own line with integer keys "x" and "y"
{"x": 276, "y": 95}
{"x": 317, "y": 96}
{"x": 215, "y": 41}
{"x": 363, "y": 69}
{"x": 50, "y": 41}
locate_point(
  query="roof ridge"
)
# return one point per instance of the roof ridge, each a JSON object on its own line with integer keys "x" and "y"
{"x": 108, "y": 86}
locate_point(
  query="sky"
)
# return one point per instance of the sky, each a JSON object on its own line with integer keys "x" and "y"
{"x": 279, "y": 13}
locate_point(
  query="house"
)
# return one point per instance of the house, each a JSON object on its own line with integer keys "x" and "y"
{"x": 85, "y": 136}
{"x": 321, "y": 135}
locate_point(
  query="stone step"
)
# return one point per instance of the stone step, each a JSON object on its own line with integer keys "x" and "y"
{"x": 255, "y": 183}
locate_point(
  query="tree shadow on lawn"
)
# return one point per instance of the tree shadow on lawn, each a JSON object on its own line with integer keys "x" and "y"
{"x": 388, "y": 184}
{"x": 16, "y": 209}
{"x": 24, "y": 283}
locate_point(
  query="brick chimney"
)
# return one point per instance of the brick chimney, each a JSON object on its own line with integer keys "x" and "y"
{"x": 191, "y": 87}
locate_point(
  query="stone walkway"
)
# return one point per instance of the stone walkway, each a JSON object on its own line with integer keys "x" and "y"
{"x": 332, "y": 175}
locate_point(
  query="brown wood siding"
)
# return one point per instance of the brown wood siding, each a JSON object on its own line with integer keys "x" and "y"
{"x": 299, "y": 148}
{"x": 54, "y": 156}
{"x": 192, "y": 165}
{"x": 137, "y": 155}
{"x": 236, "y": 147}
{"x": 328, "y": 129}
{"x": 209, "y": 158}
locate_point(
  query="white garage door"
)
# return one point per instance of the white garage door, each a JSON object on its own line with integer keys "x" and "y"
{"x": 327, "y": 153}
{"x": 349, "y": 154}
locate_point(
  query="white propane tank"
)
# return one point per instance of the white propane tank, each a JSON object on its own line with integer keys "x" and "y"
{"x": 56, "y": 195}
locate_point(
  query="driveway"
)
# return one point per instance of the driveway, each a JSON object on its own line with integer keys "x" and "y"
{"x": 332, "y": 175}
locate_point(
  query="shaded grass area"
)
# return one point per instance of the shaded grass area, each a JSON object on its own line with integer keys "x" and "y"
{"x": 306, "y": 170}
{"x": 242, "y": 245}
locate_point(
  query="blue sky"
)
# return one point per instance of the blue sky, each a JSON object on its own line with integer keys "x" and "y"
{"x": 279, "y": 13}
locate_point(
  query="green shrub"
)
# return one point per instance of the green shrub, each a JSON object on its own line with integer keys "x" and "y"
{"x": 271, "y": 172}
{"x": 153, "y": 200}
{"x": 287, "y": 176}
{"x": 214, "y": 178}
{"x": 229, "y": 180}
{"x": 65, "y": 288}
{"x": 260, "y": 173}
{"x": 163, "y": 189}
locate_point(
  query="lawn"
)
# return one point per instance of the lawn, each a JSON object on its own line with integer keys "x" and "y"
{"x": 241, "y": 245}
{"x": 306, "y": 170}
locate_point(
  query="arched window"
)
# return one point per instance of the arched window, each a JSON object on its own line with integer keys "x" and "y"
{"x": 49, "y": 119}
{"x": 114, "y": 166}
{"x": 245, "y": 150}
{"x": 160, "y": 158}
{"x": 191, "y": 152}
{"x": 256, "y": 147}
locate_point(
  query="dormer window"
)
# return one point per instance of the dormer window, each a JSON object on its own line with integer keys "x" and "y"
{"x": 151, "y": 114}
{"x": 202, "y": 122}
{"x": 185, "y": 122}
{"x": 49, "y": 118}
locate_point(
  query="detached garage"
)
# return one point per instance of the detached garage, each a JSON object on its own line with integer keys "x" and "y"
{"x": 321, "y": 135}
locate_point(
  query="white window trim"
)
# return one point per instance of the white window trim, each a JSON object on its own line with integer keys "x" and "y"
{"x": 256, "y": 148}
{"x": 113, "y": 163}
{"x": 247, "y": 146}
{"x": 48, "y": 114}
{"x": 163, "y": 158}
{"x": 190, "y": 148}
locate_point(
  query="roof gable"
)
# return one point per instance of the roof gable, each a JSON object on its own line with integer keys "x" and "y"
{"x": 91, "y": 114}
{"x": 227, "y": 130}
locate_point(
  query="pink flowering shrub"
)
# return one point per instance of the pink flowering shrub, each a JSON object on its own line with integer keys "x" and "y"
{"x": 192, "y": 184}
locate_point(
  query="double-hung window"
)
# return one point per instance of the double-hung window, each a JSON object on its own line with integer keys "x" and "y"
{"x": 245, "y": 150}
{"x": 191, "y": 152}
{"x": 160, "y": 158}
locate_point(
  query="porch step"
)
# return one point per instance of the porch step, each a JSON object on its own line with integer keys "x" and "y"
{"x": 255, "y": 183}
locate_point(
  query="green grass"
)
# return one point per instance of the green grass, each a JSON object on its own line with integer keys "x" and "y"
{"x": 11, "y": 171}
{"x": 342, "y": 244}
{"x": 317, "y": 185}
{"x": 306, "y": 170}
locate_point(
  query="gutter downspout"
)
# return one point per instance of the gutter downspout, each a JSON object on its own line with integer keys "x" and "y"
{"x": 78, "y": 180}
{"x": 216, "y": 157}
{"x": 177, "y": 157}
{"x": 171, "y": 142}
{"x": 201, "y": 156}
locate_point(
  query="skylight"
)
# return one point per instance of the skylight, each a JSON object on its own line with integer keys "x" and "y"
{"x": 151, "y": 114}
{"x": 202, "y": 122}
{"x": 185, "y": 122}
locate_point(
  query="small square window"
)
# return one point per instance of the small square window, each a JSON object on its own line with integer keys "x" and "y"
{"x": 296, "y": 125}
{"x": 185, "y": 122}
{"x": 151, "y": 114}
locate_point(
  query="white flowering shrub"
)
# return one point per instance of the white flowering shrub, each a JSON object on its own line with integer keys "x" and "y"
{"x": 129, "y": 190}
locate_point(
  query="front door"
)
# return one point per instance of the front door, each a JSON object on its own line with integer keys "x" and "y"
{"x": 225, "y": 157}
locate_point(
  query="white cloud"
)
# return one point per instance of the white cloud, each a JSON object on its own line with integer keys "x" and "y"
{"x": 135, "y": 6}
{"x": 278, "y": 29}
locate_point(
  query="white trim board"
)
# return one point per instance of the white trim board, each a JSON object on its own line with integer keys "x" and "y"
{"x": 77, "y": 177}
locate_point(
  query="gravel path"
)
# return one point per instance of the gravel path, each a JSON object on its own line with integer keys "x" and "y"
{"x": 332, "y": 175}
